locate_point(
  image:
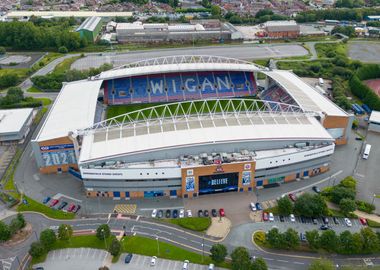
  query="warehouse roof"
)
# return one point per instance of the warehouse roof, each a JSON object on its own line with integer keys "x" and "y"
{"x": 73, "y": 108}
{"x": 375, "y": 117}
{"x": 89, "y": 24}
{"x": 12, "y": 121}
{"x": 306, "y": 96}
{"x": 274, "y": 26}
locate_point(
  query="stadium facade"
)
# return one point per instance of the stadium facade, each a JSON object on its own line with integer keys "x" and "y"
{"x": 205, "y": 137}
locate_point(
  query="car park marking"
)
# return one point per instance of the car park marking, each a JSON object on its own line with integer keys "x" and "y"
{"x": 298, "y": 263}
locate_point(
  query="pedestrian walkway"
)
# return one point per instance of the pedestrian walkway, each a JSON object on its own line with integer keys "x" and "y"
{"x": 361, "y": 214}
{"x": 220, "y": 227}
{"x": 125, "y": 209}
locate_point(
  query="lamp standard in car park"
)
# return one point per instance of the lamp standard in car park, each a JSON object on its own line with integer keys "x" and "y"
{"x": 373, "y": 198}
{"x": 104, "y": 237}
{"x": 158, "y": 246}
{"x": 203, "y": 247}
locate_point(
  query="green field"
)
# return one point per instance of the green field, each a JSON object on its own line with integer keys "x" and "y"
{"x": 41, "y": 208}
{"x": 330, "y": 50}
{"x": 45, "y": 101}
{"x": 33, "y": 89}
{"x": 114, "y": 111}
{"x": 65, "y": 64}
{"x": 199, "y": 224}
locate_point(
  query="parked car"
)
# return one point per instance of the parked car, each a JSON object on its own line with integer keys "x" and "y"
{"x": 200, "y": 213}
{"x": 71, "y": 207}
{"x": 252, "y": 206}
{"x": 168, "y": 213}
{"x": 181, "y": 213}
{"x": 175, "y": 213}
{"x": 185, "y": 265}
{"x": 214, "y": 213}
{"x": 77, "y": 208}
{"x": 221, "y": 212}
{"x": 258, "y": 206}
{"x": 153, "y": 261}
{"x": 46, "y": 200}
{"x": 154, "y": 213}
{"x": 316, "y": 189}
{"x": 292, "y": 197}
{"x": 62, "y": 205}
{"x": 189, "y": 214}
{"x": 363, "y": 221}
{"x": 324, "y": 227}
{"x": 282, "y": 219}
{"x": 211, "y": 266}
{"x": 303, "y": 237}
{"x": 265, "y": 216}
{"x": 54, "y": 202}
{"x": 128, "y": 258}
{"x": 303, "y": 219}
{"x": 336, "y": 221}
{"x": 271, "y": 217}
{"x": 160, "y": 213}
{"x": 325, "y": 220}
{"x": 314, "y": 220}
{"x": 206, "y": 213}
{"x": 348, "y": 222}
{"x": 292, "y": 218}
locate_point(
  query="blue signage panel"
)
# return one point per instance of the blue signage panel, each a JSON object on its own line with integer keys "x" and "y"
{"x": 56, "y": 147}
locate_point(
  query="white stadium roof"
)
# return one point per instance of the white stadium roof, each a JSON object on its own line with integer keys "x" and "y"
{"x": 208, "y": 126}
{"x": 185, "y": 63}
{"x": 306, "y": 96}
{"x": 74, "y": 108}
{"x": 12, "y": 121}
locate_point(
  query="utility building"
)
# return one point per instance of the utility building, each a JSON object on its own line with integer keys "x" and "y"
{"x": 15, "y": 125}
{"x": 90, "y": 28}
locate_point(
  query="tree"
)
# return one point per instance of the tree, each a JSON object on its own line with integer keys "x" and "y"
{"x": 115, "y": 247}
{"x": 259, "y": 264}
{"x": 48, "y": 238}
{"x": 240, "y": 259}
{"x": 103, "y": 232}
{"x": 347, "y": 243}
{"x": 328, "y": 240}
{"x": 310, "y": 205}
{"x": 15, "y": 225}
{"x": 348, "y": 182}
{"x": 2, "y": 50}
{"x": 275, "y": 238}
{"x": 285, "y": 206}
{"x": 62, "y": 49}
{"x": 370, "y": 240}
{"x": 291, "y": 239}
{"x": 321, "y": 264}
{"x": 338, "y": 193}
{"x": 218, "y": 253}
{"x": 36, "y": 250}
{"x": 312, "y": 238}
{"x": 215, "y": 11}
{"x": 347, "y": 206}
{"x": 8, "y": 79}
{"x": 5, "y": 232}
{"x": 65, "y": 232}
{"x": 20, "y": 217}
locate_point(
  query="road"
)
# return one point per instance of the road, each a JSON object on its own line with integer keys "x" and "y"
{"x": 239, "y": 236}
{"x": 245, "y": 52}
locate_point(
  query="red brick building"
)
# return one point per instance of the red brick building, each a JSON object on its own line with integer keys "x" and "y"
{"x": 282, "y": 29}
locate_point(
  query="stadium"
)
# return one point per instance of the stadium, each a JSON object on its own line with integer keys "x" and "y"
{"x": 205, "y": 124}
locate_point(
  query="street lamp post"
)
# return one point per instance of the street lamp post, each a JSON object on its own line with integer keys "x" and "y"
{"x": 373, "y": 198}
{"x": 158, "y": 246}
{"x": 104, "y": 237}
{"x": 203, "y": 247}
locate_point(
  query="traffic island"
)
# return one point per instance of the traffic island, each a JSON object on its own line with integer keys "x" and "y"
{"x": 219, "y": 228}
{"x": 19, "y": 236}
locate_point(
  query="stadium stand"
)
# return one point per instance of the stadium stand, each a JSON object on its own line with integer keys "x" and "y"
{"x": 179, "y": 86}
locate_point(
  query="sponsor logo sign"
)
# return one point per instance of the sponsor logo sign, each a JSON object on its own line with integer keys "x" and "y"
{"x": 56, "y": 147}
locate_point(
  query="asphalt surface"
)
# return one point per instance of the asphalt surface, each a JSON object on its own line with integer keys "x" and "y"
{"x": 365, "y": 51}
{"x": 245, "y": 52}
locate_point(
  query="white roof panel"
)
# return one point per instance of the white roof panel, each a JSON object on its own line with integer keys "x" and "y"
{"x": 306, "y": 96}
{"x": 74, "y": 108}
{"x": 375, "y": 117}
{"x": 12, "y": 121}
{"x": 110, "y": 146}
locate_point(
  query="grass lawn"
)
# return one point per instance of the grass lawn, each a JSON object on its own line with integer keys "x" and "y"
{"x": 65, "y": 64}
{"x": 198, "y": 224}
{"x": 46, "y": 60}
{"x": 41, "y": 208}
{"x": 20, "y": 72}
{"x": 149, "y": 247}
{"x": 39, "y": 115}
{"x": 373, "y": 224}
{"x": 45, "y": 101}
{"x": 34, "y": 89}
{"x": 325, "y": 49}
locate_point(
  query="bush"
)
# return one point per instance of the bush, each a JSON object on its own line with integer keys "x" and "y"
{"x": 5, "y": 232}
{"x": 48, "y": 238}
{"x": 63, "y": 49}
{"x": 218, "y": 253}
{"x": 2, "y": 50}
{"x": 365, "y": 206}
{"x": 36, "y": 250}
{"x": 115, "y": 247}
{"x": 65, "y": 232}
{"x": 338, "y": 193}
{"x": 8, "y": 80}
{"x": 347, "y": 206}
{"x": 103, "y": 232}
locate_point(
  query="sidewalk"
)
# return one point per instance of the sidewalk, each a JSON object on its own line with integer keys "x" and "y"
{"x": 220, "y": 227}
{"x": 361, "y": 214}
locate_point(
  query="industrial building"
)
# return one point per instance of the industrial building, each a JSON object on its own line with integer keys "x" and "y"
{"x": 282, "y": 29}
{"x": 374, "y": 121}
{"x": 163, "y": 32}
{"x": 90, "y": 28}
{"x": 15, "y": 125}
{"x": 204, "y": 142}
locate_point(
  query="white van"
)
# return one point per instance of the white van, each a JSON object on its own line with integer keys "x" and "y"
{"x": 367, "y": 149}
{"x": 321, "y": 82}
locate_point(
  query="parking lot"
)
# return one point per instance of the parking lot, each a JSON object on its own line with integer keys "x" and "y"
{"x": 140, "y": 262}
{"x": 74, "y": 258}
